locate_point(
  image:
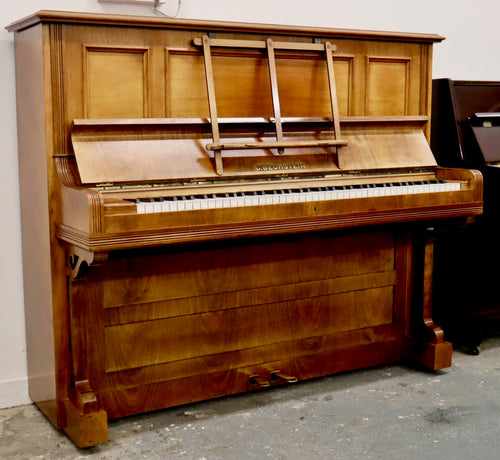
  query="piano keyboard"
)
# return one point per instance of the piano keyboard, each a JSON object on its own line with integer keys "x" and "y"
{"x": 291, "y": 195}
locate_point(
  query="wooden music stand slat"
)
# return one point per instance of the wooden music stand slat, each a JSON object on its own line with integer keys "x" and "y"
{"x": 273, "y": 77}
{"x": 212, "y": 105}
{"x": 269, "y": 45}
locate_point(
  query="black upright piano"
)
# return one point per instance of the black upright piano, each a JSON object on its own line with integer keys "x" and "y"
{"x": 465, "y": 132}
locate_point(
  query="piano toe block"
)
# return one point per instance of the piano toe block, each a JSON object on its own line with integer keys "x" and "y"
{"x": 435, "y": 356}
{"x": 86, "y": 430}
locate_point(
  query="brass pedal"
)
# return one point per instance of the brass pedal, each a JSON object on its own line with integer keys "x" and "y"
{"x": 257, "y": 380}
{"x": 277, "y": 376}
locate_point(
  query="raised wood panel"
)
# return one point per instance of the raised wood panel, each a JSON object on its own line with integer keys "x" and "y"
{"x": 116, "y": 82}
{"x": 344, "y": 67}
{"x": 243, "y": 88}
{"x": 226, "y": 269}
{"x": 268, "y": 356}
{"x": 387, "y": 87}
{"x": 189, "y": 336}
{"x": 241, "y": 84}
{"x": 236, "y": 299}
{"x": 186, "y": 90}
{"x": 303, "y": 86}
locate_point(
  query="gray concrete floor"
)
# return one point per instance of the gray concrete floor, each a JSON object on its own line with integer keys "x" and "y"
{"x": 388, "y": 412}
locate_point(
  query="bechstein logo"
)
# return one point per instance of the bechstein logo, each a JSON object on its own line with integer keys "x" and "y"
{"x": 280, "y": 166}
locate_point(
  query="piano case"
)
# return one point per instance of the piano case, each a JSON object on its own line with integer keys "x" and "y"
{"x": 133, "y": 308}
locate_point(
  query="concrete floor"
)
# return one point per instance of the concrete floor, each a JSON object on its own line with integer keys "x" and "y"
{"x": 388, "y": 412}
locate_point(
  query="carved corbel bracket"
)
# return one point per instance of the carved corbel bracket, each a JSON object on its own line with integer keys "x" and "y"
{"x": 434, "y": 332}
{"x": 85, "y": 399}
{"x": 79, "y": 260}
{"x": 434, "y": 351}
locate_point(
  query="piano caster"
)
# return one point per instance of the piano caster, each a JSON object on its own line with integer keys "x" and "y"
{"x": 280, "y": 377}
{"x": 472, "y": 349}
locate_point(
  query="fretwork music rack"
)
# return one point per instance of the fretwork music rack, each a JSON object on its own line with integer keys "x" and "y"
{"x": 269, "y": 46}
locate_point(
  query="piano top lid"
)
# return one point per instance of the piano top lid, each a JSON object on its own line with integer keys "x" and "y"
{"x": 47, "y": 16}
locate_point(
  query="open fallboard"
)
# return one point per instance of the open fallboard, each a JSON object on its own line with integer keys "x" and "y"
{"x": 168, "y": 150}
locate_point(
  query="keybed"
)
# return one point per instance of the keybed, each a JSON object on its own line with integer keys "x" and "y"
{"x": 289, "y": 195}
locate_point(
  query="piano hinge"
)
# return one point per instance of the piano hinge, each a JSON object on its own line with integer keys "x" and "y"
{"x": 107, "y": 186}
{"x": 422, "y": 170}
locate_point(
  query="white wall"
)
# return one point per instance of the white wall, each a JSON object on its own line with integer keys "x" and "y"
{"x": 471, "y": 51}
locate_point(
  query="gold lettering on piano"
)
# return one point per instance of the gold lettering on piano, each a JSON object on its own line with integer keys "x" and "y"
{"x": 280, "y": 166}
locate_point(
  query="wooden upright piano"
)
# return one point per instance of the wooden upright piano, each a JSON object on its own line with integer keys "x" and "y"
{"x": 466, "y": 134}
{"x": 211, "y": 208}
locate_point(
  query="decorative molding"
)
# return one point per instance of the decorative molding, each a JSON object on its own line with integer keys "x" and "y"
{"x": 87, "y": 49}
{"x": 374, "y": 86}
{"x": 79, "y": 260}
{"x": 57, "y": 76}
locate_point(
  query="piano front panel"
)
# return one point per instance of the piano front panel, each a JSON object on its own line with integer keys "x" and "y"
{"x": 161, "y": 74}
{"x": 236, "y": 309}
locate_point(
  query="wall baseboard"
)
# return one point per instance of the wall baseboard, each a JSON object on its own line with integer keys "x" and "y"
{"x": 14, "y": 392}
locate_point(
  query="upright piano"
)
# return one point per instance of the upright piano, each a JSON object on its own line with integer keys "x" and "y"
{"x": 466, "y": 134}
{"x": 211, "y": 208}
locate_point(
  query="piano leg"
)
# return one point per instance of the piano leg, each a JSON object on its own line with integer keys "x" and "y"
{"x": 86, "y": 422}
{"x": 472, "y": 346}
{"x": 435, "y": 353}
{"x": 86, "y": 429}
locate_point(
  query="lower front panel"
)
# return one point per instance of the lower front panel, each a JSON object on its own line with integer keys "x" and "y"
{"x": 157, "y": 329}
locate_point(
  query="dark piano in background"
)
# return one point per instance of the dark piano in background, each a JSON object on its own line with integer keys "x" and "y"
{"x": 465, "y": 133}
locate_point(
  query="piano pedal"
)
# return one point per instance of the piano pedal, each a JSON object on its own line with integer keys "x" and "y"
{"x": 257, "y": 381}
{"x": 280, "y": 377}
